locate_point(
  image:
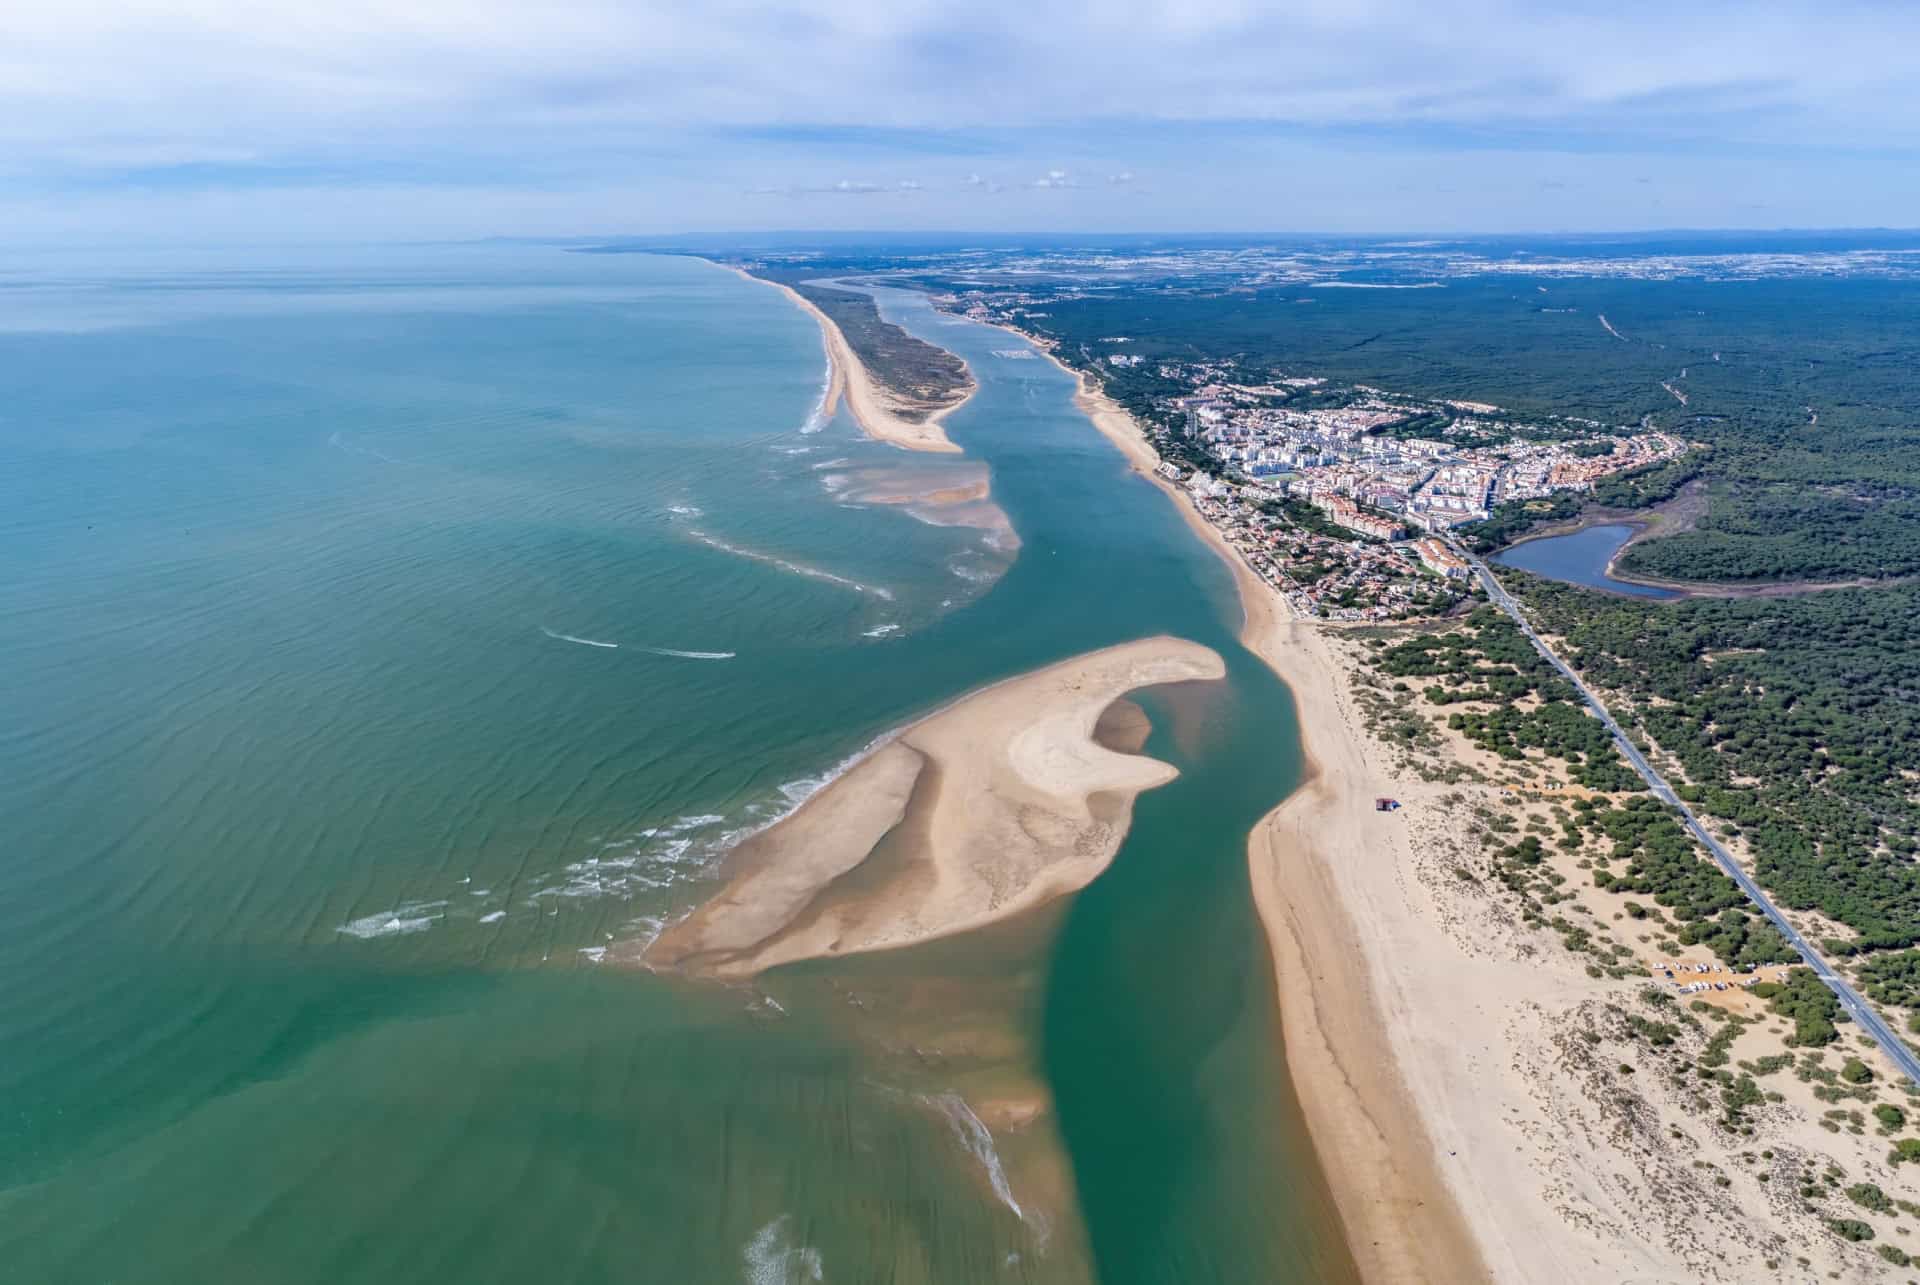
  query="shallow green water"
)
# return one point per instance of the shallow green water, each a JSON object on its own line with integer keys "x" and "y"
{"x": 322, "y": 795}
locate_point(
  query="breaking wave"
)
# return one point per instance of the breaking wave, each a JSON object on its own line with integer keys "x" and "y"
{"x": 771, "y": 1261}
{"x": 408, "y": 917}
{"x": 978, "y": 1141}
{"x": 820, "y": 416}
{"x": 797, "y": 568}
{"x": 691, "y": 655}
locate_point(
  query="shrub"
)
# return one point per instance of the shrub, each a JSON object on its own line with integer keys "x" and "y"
{"x": 1868, "y": 1196}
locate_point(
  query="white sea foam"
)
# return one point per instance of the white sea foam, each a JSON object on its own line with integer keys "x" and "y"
{"x": 834, "y": 482}
{"x": 817, "y": 418}
{"x": 685, "y": 510}
{"x": 771, "y": 1261}
{"x": 823, "y": 465}
{"x": 793, "y": 450}
{"x": 797, "y": 568}
{"x": 644, "y": 930}
{"x": 970, "y": 572}
{"x": 493, "y": 917}
{"x": 880, "y": 631}
{"x": 408, "y": 917}
{"x": 584, "y": 642}
{"x": 647, "y": 860}
{"x": 691, "y": 655}
{"x": 342, "y": 444}
{"x": 978, "y": 1141}
{"x": 594, "y": 954}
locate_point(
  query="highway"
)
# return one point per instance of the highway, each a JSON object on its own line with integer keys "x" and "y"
{"x": 1855, "y": 1007}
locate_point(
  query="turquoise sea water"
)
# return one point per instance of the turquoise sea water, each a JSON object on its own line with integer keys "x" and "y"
{"x": 385, "y": 634}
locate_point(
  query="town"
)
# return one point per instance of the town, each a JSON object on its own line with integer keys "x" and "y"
{"x": 1340, "y": 496}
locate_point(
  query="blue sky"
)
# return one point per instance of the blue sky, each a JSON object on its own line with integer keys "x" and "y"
{"x": 213, "y": 120}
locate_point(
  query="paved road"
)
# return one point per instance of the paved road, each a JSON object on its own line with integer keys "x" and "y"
{"x": 1850, "y": 1000}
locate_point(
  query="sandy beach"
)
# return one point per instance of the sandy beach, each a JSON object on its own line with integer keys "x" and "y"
{"x": 996, "y": 804}
{"x": 872, "y": 408}
{"x": 1404, "y": 1222}
{"x": 1468, "y": 1081}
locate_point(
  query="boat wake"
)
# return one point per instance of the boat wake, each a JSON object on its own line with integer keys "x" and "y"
{"x": 584, "y": 642}
{"x": 691, "y": 655}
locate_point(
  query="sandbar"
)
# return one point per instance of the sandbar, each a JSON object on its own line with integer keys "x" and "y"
{"x": 997, "y": 803}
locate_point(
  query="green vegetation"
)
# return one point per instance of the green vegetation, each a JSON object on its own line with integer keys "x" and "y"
{"x": 1869, "y": 1197}
{"x": 1805, "y": 999}
{"x": 1794, "y": 719}
{"x": 923, "y": 378}
{"x": 1663, "y": 861}
{"x": 1519, "y": 701}
{"x": 1893, "y": 978}
{"x": 1787, "y": 503}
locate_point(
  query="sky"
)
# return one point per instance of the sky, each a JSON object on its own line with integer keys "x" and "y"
{"x": 205, "y": 121}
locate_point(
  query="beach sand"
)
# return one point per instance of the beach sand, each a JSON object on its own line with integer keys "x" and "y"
{"x": 872, "y": 408}
{"x": 996, "y": 804}
{"x": 1466, "y": 1079}
{"x": 1343, "y": 1037}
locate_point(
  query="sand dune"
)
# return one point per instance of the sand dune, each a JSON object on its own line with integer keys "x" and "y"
{"x": 991, "y": 806}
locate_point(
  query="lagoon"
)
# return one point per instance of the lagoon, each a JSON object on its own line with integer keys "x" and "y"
{"x": 1580, "y": 557}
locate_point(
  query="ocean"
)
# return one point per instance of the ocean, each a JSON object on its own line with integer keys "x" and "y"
{"x": 388, "y": 633}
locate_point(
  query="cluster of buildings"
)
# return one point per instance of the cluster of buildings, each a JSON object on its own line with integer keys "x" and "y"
{"x": 1389, "y": 475}
{"x": 1427, "y": 483}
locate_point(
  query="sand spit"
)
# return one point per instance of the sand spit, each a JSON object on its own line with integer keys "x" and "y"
{"x": 872, "y": 409}
{"x": 994, "y": 805}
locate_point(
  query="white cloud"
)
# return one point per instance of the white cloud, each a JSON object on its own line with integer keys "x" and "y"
{"x": 696, "y": 101}
{"x": 88, "y": 82}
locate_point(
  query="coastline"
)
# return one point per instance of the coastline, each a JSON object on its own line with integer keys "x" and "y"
{"x": 851, "y": 379}
{"x": 1404, "y": 1221}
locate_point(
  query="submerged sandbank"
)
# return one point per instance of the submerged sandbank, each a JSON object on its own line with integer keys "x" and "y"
{"x": 998, "y": 803}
